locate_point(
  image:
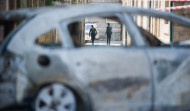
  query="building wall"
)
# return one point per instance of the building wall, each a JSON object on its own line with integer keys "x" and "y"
{"x": 160, "y": 27}
{"x": 181, "y": 33}
{"x": 1, "y": 33}
{"x": 5, "y": 5}
{"x": 157, "y": 27}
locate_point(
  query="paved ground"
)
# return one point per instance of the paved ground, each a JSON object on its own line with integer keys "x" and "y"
{"x": 98, "y": 42}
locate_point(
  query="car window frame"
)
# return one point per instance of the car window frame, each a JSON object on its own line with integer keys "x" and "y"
{"x": 115, "y": 9}
{"x": 28, "y": 43}
{"x": 171, "y": 17}
{"x": 133, "y": 30}
{"x": 123, "y": 17}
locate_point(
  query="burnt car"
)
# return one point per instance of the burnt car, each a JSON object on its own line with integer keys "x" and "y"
{"x": 64, "y": 74}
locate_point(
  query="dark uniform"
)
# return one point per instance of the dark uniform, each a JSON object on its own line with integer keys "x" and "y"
{"x": 93, "y": 33}
{"x": 108, "y": 32}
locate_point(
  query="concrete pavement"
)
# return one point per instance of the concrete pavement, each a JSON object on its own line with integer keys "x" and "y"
{"x": 100, "y": 42}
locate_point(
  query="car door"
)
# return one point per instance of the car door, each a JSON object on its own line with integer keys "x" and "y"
{"x": 170, "y": 61}
{"x": 118, "y": 78}
{"x": 49, "y": 58}
{"x": 171, "y": 77}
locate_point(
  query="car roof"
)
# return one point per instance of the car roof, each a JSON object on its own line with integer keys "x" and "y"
{"x": 20, "y": 14}
{"x": 14, "y": 15}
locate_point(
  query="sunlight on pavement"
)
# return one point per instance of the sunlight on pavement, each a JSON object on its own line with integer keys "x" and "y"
{"x": 112, "y": 43}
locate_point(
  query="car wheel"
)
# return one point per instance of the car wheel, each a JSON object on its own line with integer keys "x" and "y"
{"x": 55, "y": 97}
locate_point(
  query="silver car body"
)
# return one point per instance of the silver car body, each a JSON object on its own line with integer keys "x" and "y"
{"x": 116, "y": 78}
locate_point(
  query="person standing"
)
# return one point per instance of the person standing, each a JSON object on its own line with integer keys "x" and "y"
{"x": 108, "y": 33}
{"x": 92, "y": 33}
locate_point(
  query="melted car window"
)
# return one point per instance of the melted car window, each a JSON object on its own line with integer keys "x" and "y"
{"x": 97, "y": 31}
{"x": 51, "y": 39}
{"x": 161, "y": 32}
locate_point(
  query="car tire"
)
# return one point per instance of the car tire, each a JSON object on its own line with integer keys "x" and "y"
{"x": 55, "y": 97}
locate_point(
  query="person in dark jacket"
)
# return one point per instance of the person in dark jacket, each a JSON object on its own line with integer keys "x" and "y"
{"x": 92, "y": 33}
{"x": 108, "y": 33}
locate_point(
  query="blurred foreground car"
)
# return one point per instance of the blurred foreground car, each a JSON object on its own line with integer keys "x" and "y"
{"x": 61, "y": 77}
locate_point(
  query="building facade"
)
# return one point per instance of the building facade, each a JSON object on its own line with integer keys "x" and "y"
{"x": 166, "y": 31}
{"x": 5, "y": 5}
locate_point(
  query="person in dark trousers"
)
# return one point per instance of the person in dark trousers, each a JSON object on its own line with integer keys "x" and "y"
{"x": 108, "y": 33}
{"x": 92, "y": 33}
